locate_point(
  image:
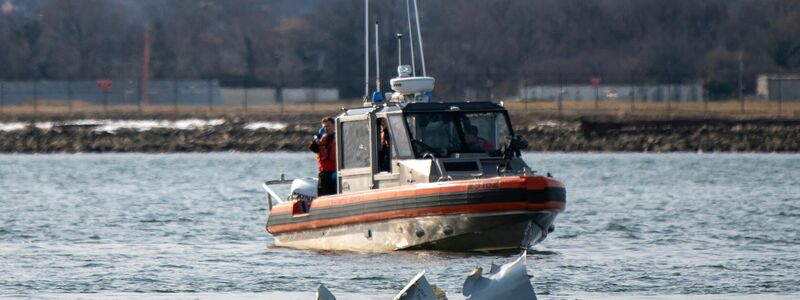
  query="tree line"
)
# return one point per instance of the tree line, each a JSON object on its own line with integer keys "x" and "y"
{"x": 468, "y": 43}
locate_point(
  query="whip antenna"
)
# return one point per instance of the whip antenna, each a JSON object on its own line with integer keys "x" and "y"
{"x": 377, "y": 61}
{"x": 366, "y": 50}
{"x": 419, "y": 35}
{"x": 411, "y": 39}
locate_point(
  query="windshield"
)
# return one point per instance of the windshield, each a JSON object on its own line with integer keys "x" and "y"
{"x": 441, "y": 134}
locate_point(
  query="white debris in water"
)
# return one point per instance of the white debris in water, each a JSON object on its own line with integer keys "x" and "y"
{"x": 265, "y": 125}
{"x": 417, "y": 289}
{"x": 508, "y": 281}
{"x": 323, "y": 293}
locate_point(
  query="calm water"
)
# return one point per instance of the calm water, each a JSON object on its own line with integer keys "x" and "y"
{"x": 636, "y": 225}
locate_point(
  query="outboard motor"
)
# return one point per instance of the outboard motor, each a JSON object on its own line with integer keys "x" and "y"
{"x": 303, "y": 189}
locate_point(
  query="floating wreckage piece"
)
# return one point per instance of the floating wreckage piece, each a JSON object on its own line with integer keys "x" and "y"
{"x": 416, "y": 289}
{"x": 507, "y": 281}
{"x": 419, "y": 289}
{"x": 323, "y": 293}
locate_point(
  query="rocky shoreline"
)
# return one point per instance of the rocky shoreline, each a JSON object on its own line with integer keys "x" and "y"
{"x": 667, "y": 135}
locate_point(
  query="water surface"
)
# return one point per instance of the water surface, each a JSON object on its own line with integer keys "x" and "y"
{"x": 192, "y": 225}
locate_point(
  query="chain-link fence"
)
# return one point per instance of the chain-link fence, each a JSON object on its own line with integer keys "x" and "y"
{"x": 583, "y": 92}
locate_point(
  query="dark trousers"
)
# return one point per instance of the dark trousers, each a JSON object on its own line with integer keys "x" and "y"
{"x": 326, "y": 185}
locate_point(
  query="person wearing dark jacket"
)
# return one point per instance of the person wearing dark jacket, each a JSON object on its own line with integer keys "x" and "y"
{"x": 385, "y": 147}
{"x": 324, "y": 145}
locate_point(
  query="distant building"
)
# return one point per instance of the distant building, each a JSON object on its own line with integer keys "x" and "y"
{"x": 309, "y": 95}
{"x": 663, "y": 92}
{"x": 775, "y": 87}
{"x": 253, "y": 95}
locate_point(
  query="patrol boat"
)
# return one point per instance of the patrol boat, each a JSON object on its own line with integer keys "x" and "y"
{"x": 452, "y": 180}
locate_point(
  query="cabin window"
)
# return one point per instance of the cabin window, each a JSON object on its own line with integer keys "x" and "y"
{"x": 399, "y": 136}
{"x": 434, "y": 133}
{"x": 355, "y": 144}
{"x": 484, "y": 132}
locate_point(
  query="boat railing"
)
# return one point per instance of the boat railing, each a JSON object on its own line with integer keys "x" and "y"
{"x": 271, "y": 194}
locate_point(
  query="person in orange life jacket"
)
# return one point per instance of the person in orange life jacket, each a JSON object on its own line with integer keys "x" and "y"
{"x": 474, "y": 142}
{"x": 384, "y": 149}
{"x": 324, "y": 145}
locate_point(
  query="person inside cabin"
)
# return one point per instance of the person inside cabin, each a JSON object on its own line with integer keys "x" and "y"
{"x": 436, "y": 132}
{"x": 385, "y": 147}
{"x": 474, "y": 142}
{"x": 324, "y": 145}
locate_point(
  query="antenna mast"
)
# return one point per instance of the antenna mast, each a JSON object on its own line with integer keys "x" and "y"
{"x": 366, "y": 50}
{"x": 377, "y": 61}
{"x": 419, "y": 35}
{"x": 399, "y": 49}
{"x": 411, "y": 39}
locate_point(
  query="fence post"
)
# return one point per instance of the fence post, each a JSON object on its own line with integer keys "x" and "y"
{"x": 105, "y": 101}
{"x": 139, "y": 95}
{"x": 313, "y": 102}
{"x": 741, "y": 70}
{"x": 210, "y": 95}
{"x": 525, "y": 92}
{"x": 175, "y": 95}
{"x": 633, "y": 94}
{"x": 244, "y": 98}
{"x": 69, "y": 95}
{"x": 560, "y": 94}
{"x": 35, "y": 95}
{"x": 669, "y": 96}
{"x": 780, "y": 95}
{"x": 279, "y": 95}
{"x": 2, "y": 96}
{"x": 742, "y": 100}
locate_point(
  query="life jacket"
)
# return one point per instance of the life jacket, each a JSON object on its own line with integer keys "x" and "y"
{"x": 325, "y": 148}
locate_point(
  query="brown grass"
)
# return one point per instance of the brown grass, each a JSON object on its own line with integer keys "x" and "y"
{"x": 59, "y": 110}
{"x": 619, "y": 108}
{"x": 723, "y": 109}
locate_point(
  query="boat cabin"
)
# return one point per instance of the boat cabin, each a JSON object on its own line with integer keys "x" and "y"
{"x": 407, "y": 143}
